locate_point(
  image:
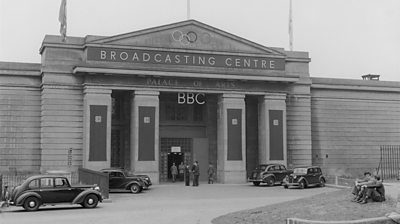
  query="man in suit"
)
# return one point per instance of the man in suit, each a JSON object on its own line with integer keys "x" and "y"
{"x": 196, "y": 173}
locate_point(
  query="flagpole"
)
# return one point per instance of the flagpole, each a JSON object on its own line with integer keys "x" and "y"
{"x": 62, "y": 18}
{"x": 188, "y": 9}
{"x": 290, "y": 27}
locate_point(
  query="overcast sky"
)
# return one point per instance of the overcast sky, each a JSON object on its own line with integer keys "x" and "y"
{"x": 345, "y": 38}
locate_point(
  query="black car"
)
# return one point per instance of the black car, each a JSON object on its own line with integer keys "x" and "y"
{"x": 269, "y": 174}
{"x": 43, "y": 190}
{"x": 305, "y": 176}
{"x": 121, "y": 180}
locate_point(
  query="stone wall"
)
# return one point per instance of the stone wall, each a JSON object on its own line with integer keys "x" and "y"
{"x": 19, "y": 117}
{"x": 351, "y": 119}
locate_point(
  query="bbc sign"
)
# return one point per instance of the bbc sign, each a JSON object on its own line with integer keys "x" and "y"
{"x": 191, "y": 98}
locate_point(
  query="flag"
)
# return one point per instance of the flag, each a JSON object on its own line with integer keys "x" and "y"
{"x": 290, "y": 27}
{"x": 62, "y": 18}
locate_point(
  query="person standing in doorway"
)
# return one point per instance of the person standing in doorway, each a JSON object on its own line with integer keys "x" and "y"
{"x": 181, "y": 168}
{"x": 211, "y": 173}
{"x": 187, "y": 175}
{"x": 196, "y": 173}
{"x": 174, "y": 172}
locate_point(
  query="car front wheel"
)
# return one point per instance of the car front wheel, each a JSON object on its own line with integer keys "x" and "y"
{"x": 135, "y": 188}
{"x": 270, "y": 181}
{"x": 90, "y": 201}
{"x": 322, "y": 182}
{"x": 302, "y": 184}
{"x": 31, "y": 204}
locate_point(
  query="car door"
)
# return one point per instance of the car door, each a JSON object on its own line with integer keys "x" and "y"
{"x": 46, "y": 190}
{"x": 116, "y": 180}
{"x": 313, "y": 178}
{"x": 65, "y": 193}
{"x": 280, "y": 173}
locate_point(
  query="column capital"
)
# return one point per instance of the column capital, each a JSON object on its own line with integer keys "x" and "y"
{"x": 275, "y": 96}
{"x": 146, "y": 93}
{"x": 233, "y": 95}
{"x": 96, "y": 90}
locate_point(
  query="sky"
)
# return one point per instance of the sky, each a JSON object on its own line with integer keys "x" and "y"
{"x": 344, "y": 38}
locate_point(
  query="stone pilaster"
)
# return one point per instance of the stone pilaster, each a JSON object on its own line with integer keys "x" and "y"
{"x": 231, "y": 138}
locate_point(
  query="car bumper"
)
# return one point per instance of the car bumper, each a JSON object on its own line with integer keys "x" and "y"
{"x": 254, "y": 180}
{"x": 290, "y": 184}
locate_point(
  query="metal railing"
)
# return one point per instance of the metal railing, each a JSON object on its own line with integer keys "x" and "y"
{"x": 389, "y": 164}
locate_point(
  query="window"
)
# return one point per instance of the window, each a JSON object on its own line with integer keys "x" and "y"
{"x": 34, "y": 184}
{"x": 116, "y": 174}
{"x": 60, "y": 182}
{"x": 282, "y": 167}
{"x": 271, "y": 168}
{"x": 46, "y": 182}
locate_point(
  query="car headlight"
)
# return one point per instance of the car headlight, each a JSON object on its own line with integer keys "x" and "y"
{"x": 96, "y": 188}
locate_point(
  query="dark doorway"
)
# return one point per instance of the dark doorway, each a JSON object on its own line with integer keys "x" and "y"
{"x": 177, "y": 158}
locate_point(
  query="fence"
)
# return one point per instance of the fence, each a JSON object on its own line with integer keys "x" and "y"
{"x": 389, "y": 167}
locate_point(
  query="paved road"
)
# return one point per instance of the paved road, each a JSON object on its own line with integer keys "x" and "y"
{"x": 164, "y": 204}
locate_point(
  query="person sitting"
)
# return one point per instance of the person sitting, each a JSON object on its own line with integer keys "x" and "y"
{"x": 360, "y": 182}
{"x": 374, "y": 192}
{"x": 361, "y": 188}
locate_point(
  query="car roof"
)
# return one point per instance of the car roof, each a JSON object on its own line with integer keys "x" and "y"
{"x": 306, "y": 167}
{"x": 112, "y": 169}
{"x": 45, "y": 176}
{"x": 270, "y": 164}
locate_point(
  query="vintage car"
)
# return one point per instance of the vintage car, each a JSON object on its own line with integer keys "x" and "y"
{"x": 306, "y": 176}
{"x": 41, "y": 190}
{"x": 269, "y": 174}
{"x": 121, "y": 180}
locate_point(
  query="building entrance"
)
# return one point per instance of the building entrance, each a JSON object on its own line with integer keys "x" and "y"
{"x": 174, "y": 150}
{"x": 177, "y": 158}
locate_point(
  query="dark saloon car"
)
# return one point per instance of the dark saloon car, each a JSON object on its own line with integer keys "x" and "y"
{"x": 44, "y": 190}
{"x": 306, "y": 176}
{"x": 121, "y": 180}
{"x": 269, "y": 174}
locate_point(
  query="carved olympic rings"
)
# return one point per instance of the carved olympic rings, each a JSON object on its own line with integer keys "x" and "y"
{"x": 185, "y": 39}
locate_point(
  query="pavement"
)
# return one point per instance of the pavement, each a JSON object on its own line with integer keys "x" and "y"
{"x": 166, "y": 203}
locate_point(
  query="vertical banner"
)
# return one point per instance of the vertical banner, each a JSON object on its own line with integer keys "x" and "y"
{"x": 146, "y": 133}
{"x": 276, "y": 135}
{"x": 234, "y": 134}
{"x": 98, "y": 133}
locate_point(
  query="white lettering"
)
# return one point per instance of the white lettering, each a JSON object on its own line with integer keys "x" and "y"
{"x": 186, "y": 58}
{"x": 228, "y": 62}
{"x": 135, "y": 57}
{"x": 177, "y": 59}
{"x": 246, "y": 62}
{"x": 237, "y": 62}
{"x": 113, "y": 53}
{"x": 197, "y": 98}
{"x": 190, "y": 98}
{"x": 263, "y": 64}
{"x": 255, "y": 63}
{"x": 146, "y": 57}
{"x": 123, "y": 55}
{"x": 202, "y": 60}
{"x": 272, "y": 64}
{"x": 157, "y": 58}
{"x": 103, "y": 55}
{"x": 181, "y": 98}
{"x": 211, "y": 61}
{"x": 168, "y": 59}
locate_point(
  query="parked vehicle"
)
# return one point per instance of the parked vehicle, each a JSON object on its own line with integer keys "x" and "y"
{"x": 270, "y": 174}
{"x": 41, "y": 190}
{"x": 306, "y": 176}
{"x": 121, "y": 180}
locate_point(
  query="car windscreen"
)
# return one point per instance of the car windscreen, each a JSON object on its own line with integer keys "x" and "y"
{"x": 300, "y": 170}
{"x": 262, "y": 167}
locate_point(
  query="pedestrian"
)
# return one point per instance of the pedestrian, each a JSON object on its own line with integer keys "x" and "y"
{"x": 196, "y": 173}
{"x": 187, "y": 175}
{"x": 174, "y": 172}
{"x": 211, "y": 173}
{"x": 359, "y": 182}
{"x": 5, "y": 197}
{"x": 181, "y": 168}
